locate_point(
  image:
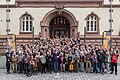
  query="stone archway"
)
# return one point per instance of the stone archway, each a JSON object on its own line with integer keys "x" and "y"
{"x": 59, "y": 12}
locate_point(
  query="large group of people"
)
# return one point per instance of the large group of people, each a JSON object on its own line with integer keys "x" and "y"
{"x": 61, "y": 55}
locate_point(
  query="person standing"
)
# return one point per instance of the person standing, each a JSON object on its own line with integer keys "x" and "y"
{"x": 49, "y": 59}
{"x": 114, "y": 62}
{"x": 8, "y": 62}
{"x": 55, "y": 58}
{"x": 21, "y": 66}
{"x": 102, "y": 62}
{"x": 38, "y": 62}
{"x": 76, "y": 61}
{"x": 88, "y": 62}
{"x": 95, "y": 62}
{"x": 15, "y": 63}
{"x": 62, "y": 61}
{"x": 81, "y": 62}
{"x": 26, "y": 62}
{"x": 43, "y": 62}
{"x": 70, "y": 59}
{"x": 107, "y": 61}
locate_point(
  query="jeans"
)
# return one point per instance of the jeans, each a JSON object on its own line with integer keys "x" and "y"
{"x": 21, "y": 66}
{"x": 81, "y": 66}
{"x": 56, "y": 66}
{"x": 107, "y": 66}
{"x": 95, "y": 67}
{"x": 103, "y": 65}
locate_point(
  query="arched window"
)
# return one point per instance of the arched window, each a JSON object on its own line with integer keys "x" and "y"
{"x": 92, "y": 22}
{"x": 26, "y": 22}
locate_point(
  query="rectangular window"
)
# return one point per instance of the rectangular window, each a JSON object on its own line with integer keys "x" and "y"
{"x": 95, "y": 28}
{"x": 23, "y": 24}
{"x": 91, "y": 27}
{"x": 61, "y": 20}
{"x": 26, "y": 25}
{"x": 7, "y": 0}
{"x": 30, "y": 25}
{"x": 64, "y": 21}
{"x": 92, "y": 24}
{"x": 57, "y": 20}
{"x": 26, "y": 17}
{"x": 54, "y": 21}
{"x": 91, "y": 17}
{"x": 87, "y": 25}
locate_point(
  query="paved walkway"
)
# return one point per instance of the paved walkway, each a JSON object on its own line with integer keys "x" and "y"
{"x": 2, "y": 62}
{"x": 55, "y": 76}
{"x": 60, "y": 76}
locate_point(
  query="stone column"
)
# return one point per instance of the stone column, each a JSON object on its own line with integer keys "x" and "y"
{"x": 45, "y": 31}
{"x": 73, "y": 31}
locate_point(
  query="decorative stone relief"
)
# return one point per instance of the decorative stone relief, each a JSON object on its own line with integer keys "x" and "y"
{"x": 59, "y": 7}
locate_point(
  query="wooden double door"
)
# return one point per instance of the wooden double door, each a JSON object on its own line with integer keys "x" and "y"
{"x": 59, "y": 27}
{"x": 60, "y": 33}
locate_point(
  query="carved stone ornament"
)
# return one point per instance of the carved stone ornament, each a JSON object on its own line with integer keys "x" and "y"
{"x": 59, "y": 5}
{"x": 59, "y": 11}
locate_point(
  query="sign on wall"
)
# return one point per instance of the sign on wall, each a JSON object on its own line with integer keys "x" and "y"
{"x": 12, "y": 41}
{"x": 106, "y": 39}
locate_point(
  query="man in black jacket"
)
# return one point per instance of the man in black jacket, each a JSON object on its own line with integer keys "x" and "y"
{"x": 49, "y": 59}
{"x": 8, "y": 62}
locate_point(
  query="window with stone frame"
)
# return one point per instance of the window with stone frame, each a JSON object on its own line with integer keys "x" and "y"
{"x": 92, "y": 22}
{"x": 26, "y": 23}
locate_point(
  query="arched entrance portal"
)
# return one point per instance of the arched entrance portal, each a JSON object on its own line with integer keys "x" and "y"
{"x": 59, "y": 27}
{"x": 59, "y": 23}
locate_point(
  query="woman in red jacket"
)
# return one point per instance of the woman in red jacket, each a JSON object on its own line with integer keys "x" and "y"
{"x": 114, "y": 62}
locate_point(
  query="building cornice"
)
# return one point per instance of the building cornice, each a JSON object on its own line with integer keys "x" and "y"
{"x": 59, "y": 1}
{"x": 65, "y": 3}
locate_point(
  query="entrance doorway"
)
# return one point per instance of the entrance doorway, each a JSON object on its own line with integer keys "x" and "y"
{"x": 59, "y": 27}
{"x": 59, "y": 24}
{"x": 59, "y": 33}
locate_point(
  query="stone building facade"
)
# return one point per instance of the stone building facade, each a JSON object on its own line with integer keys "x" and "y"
{"x": 59, "y": 17}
